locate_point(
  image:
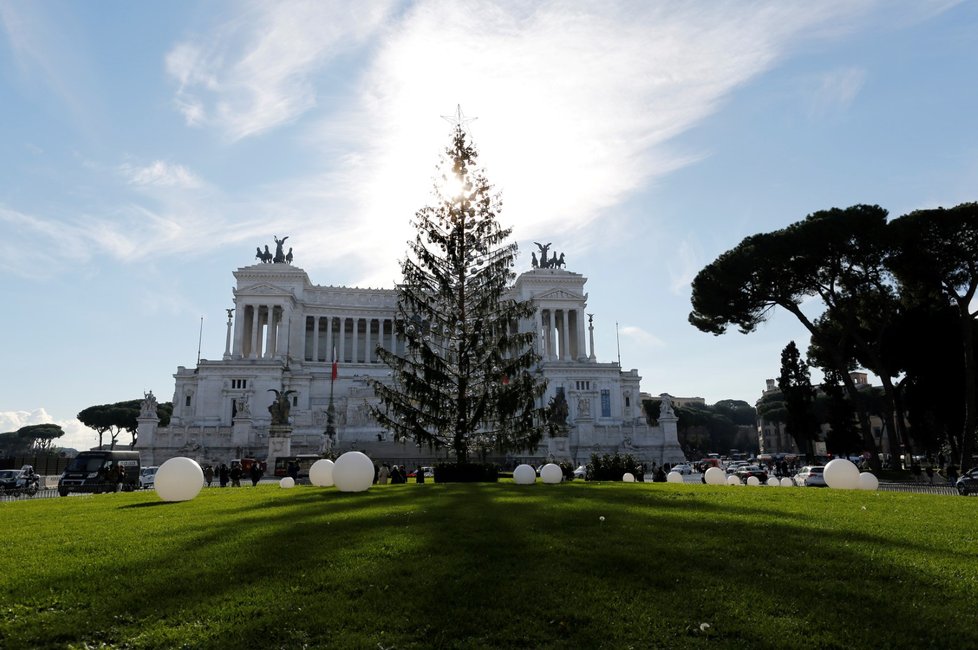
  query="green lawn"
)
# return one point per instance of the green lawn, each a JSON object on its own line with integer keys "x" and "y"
{"x": 492, "y": 566}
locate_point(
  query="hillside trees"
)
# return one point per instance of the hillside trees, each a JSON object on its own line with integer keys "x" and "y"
{"x": 799, "y": 400}
{"x": 118, "y": 417}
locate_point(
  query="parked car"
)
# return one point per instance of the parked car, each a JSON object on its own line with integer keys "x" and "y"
{"x": 735, "y": 465}
{"x": 580, "y": 472}
{"x": 751, "y": 470}
{"x": 15, "y": 482}
{"x": 147, "y": 476}
{"x": 810, "y": 476}
{"x": 682, "y": 468}
{"x": 967, "y": 483}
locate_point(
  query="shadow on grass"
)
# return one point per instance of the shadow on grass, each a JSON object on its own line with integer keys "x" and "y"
{"x": 504, "y": 566}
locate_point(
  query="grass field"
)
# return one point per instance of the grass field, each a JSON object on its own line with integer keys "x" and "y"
{"x": 492, "y": 566}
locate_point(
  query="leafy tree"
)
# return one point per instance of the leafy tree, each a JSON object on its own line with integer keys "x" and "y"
{"x": 799, "y": 400}
{"x": 833, "y": 408}
{"x": 464, "y": 380}
{"x": 705, "y": 428}
{"x": 832, "y": 255}
{"x": 40, "y": 436}
{"x": 938, "y": 256}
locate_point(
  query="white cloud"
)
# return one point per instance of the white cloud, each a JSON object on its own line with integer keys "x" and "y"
{"x": 77, "y": 435}
{"x": 836, "y": 90}
{"x": 642, "y": 337}
{"x": 160, "y": 174}
{"x": 255, "y": 72}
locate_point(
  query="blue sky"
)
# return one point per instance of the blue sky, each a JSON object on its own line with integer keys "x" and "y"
{"x": 149, "y": 147}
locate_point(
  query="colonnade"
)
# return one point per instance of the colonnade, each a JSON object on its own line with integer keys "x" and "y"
{"x": 260, "y": 331}
{"x": 353, "y": 338}
{"x": 561, "y": 334}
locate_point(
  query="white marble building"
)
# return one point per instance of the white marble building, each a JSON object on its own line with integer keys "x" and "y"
{"x": 281, "y": 335}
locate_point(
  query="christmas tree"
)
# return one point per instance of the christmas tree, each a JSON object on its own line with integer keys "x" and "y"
{"x": 465, "y": 379}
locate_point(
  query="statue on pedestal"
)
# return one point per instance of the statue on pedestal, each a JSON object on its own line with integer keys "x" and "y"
{"x": 280, "y": 407}
{"x": 147, "y": 408}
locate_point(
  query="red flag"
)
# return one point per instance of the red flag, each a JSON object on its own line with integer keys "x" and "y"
{"x": 335, "y": 366}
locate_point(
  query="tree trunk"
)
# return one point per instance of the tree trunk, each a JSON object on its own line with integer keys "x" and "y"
{"x": 893, "y": 430}
{"x": 970, "y": 399}
{"x": 869, "y": 442}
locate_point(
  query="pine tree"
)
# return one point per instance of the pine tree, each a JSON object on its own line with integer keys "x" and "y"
{"x": 799, "y": 399}
{"x": 465, "y": 379}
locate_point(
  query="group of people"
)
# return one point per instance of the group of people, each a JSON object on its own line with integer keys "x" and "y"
{"x": 233, "y": 474}
{"x": 948, "y": 472}
{"x": 396, "y": 474}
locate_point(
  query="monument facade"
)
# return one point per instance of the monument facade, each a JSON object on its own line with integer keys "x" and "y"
{"x": 293, "y": 346}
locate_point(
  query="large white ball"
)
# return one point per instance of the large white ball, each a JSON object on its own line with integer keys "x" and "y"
{"x": 287, "y": 482}
{"x": 733, "y": 479}
{"x": 628, "y": 477}
{"x": 551, "y": 473}
{"x": 353, "y": 472}
{"x": 674, "y": 477}
{"x": 524, "y": 475}
{"x": 753, "y": 481}
{"x": 715, "y": 476}
{"x": 841, "y": 474}
{"x": 321, "y": 473}
{"x": 868, "y": 481}
{"x": 787, "y": 482}
{"x": 773, "y": 481}
{"x": 179, "y": 479}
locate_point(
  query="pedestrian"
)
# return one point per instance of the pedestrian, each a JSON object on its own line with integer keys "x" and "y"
{"x": 419, "y": 475}
{"x": 395, "y": 475}
{"x": 208, "y": 474}
{"x": 235, "y": 474}
{"x": 383, "y": 474}
{"x": 223, "y": 474}
{"x": 930, "y": 474}
{"x": 952, "y": 473}
{"x": 256, "y": 473}
{"x": 915, "y": 471}
{"x": 293, "y": 470}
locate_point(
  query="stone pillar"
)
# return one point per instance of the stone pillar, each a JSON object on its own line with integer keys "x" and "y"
{"x": 393, "y": 347}
{"x": 330, "y": 344}
{"x": 564, "y": 342}
{"x": 146, "y": 426}
{"x": 227, "y": 344}
{"x": 581, "y": 347}
{"x": 315, "y": 339}
{"x": 356, "y": 339}
{"x": 255, "y": 330}
{"x": 239, "y": 323}
{"x": 341, "y": 333}
{"x": 538, "y": 320}
{"x": 590, "y": 327}
{"x": 269, "y": 350}
{"x": 366, "y": 344}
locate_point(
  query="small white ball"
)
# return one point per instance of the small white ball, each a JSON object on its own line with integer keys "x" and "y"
{"x": 674, "y": 477}
{"x": 321, "y": 473}
{"x": 753, "y": 481}
{"x": 524, "y": 475}
{"x": 353, "y": 472}
{"x": 287, "y": 482}
{"x": 715, "y": 476}
{"x": 868, "y": 481}
{"x": 733, "y": 480}
{"x": 551, "y": 473}
{"x": 628, "y": 477}
{"x": 773, "y": 481}
{"x": 787, "y": 482}
{"x": 841, "y": 474}
{"x": 601, "y": 518}
{"x": 179, "y": 479}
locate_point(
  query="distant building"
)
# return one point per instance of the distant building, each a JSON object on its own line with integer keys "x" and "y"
{"x": 282, "y": 334}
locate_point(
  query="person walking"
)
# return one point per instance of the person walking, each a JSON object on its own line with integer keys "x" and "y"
{"x": 255, "y": 473}
{"x": 419, "y": 475}
{"x": 235, "y": 474}
{"x": 383, "y": 474}
{"x": 395, "y": 475}
{"x": 208, "y": 474}
{"x": 930, "y": 474}
{"x": 223, "y": 475}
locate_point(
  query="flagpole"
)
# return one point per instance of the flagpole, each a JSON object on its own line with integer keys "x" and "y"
{"x": 330, "y": 410}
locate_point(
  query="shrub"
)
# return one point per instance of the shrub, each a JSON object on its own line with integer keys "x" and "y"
{"x": 610, "y": 468}
{"x": 466, "y": 473}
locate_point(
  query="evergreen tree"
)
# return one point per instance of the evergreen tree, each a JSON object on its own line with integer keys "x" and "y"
{"x": 464, "y": 380}
{"x": 799, "y": 399}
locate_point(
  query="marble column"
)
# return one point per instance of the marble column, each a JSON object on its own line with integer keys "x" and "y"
{"x": 315, "y": 339}
{"x": 564, "y": 342}
{"x": 255, "y": 330}
{"x": 366, "y": 344}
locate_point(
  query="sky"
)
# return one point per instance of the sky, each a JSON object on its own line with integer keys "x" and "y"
{"x": 149, "y": 147}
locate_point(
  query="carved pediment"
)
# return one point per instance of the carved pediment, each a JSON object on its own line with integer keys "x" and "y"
{"x": 559, "y": 294}
{"x": 263, "y": 289}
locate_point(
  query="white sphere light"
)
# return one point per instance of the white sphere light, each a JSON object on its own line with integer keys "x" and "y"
{"x": 524, "y": 475}
{"x": 353, "y": 472}
{"x": 674, "y": 477}
{"x": 551, "y": 473}
{"x": 179, "y": 479}
{"x": 841, "y": 474}
{"x": 733, "y": 480}
{"x": 753, "y": 481}
{"x": 628, "y": 477}
{"x": 715, "y": 476}
{"x": 868, "y": 481}
{"x": 787, "y": 482}
{"x": 773, "y": 481}
{"x": 287, "y": 482}
{"x": 321, "y": 473}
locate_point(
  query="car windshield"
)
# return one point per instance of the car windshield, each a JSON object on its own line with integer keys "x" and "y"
{"x": 8, "y": 474}
{"x": 85, "y": 464}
